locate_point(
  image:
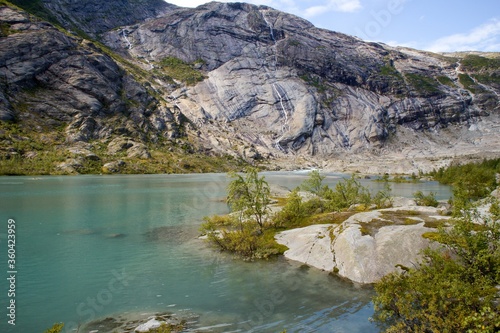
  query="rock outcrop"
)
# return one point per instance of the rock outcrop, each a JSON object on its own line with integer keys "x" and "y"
{"x": 368, "y": 245}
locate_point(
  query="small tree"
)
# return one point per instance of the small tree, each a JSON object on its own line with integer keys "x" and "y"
{"x": 348, "y": 192}
{"x": 383, "y": 198}
{"x": 249, "y": 196}
{"x": 314, "y": 183}
{"x": 292, "y": 213}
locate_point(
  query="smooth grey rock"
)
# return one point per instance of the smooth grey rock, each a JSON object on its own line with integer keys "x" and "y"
{"x": 119, "y": 144}
{"x": 138, "y": 150}
{"x": 276, "y": 87}
{"x": 365, "y": 259}
{"x": 310, "y": 245}
{"x": 148, "y": 326}
{"x": 113, "y": 167}
{"x": 71, "y": 165}
{"x": 95, "y": 17}
{"x": 56, "y": 80}
{"x": 85, "y": 153}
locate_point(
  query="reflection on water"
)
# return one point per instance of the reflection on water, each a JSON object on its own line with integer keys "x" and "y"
{"x": 90, "y": 247}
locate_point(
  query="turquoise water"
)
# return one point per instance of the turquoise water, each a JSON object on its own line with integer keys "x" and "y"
{"x": 89, "y": 247}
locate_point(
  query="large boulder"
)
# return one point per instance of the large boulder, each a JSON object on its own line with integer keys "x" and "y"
{"x": 368, "y": 245}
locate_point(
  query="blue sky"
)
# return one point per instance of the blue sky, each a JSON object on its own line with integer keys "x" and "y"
{"x": 434, "y": 25}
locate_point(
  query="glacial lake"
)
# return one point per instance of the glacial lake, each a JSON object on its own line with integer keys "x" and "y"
{"x": 91, "y": 247}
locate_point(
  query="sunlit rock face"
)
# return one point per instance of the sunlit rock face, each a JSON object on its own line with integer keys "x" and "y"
{"x": 274, "y": 85}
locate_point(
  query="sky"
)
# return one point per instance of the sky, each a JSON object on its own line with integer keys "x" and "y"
{"x": 433, "y": 25}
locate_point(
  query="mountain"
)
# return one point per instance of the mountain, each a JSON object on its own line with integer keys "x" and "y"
{"x": 145, "y": 79}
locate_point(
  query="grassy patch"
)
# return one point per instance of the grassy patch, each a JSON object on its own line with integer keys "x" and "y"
{"x": 294, "y": 42}
{"x": 487, "y": 79}
{"x": 4, "y": 29}
{"x": 432, "y": 235}
{"x": 478, "y": 63}
{"x": 401, "y": 217}
{"x": 398, "y": 179}
{"x": 424, "y": 85}
{"x": 446, "y": 81}
{"x": 371, "y": 228}
{"x": 327, "y": 218}
{"x": 468, "y": 83}
{"x": 181, "y": 71}
{"x": 388, "y": 70}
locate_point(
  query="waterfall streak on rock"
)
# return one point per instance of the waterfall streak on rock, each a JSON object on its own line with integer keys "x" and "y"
{"x": 126, "y": 39}
{"x": 281, "y": 95}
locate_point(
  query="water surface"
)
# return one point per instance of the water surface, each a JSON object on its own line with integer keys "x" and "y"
{"x": 95, "y": 246}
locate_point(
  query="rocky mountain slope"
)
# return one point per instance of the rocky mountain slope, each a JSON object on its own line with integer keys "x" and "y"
{"x": 238, "y": 79}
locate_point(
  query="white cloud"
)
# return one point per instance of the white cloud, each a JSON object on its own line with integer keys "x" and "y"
{"x": 483, "y": 38}
{"x": 333, "y": 5}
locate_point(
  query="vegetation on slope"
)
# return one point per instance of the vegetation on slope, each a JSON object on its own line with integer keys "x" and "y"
{"x": 478, "y": 63}
{"x": 456, "y": 286}
{"x": 179, "y": 70}
{"x": 484, "y": 70}
{"x": 424, "y": 85}
{"x": 26, "y": 152}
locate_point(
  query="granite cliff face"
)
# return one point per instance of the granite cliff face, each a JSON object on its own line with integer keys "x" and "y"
{"x": 288, "y": 87}
{"x": 236, "y": 79}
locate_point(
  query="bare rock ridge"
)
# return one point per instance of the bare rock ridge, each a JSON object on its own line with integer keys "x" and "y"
{"x": 248, "y": 80}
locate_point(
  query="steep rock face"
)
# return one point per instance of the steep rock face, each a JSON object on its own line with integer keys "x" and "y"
{"x": 95, "y": 17}
{"x": 50, "y": 79}
{"x": 288, "y": 87}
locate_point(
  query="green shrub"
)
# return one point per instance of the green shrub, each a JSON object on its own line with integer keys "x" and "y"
{"x": 347, "y": 192}
{"x": 292, "y": 214}
{"x": 249, "y": 196}
{"x": 471, "y": 181}
{"x": 388, "y": 70}
{"x": 425, "y": 200}
{"x": 452, "y": 290}
{"x": 246, "y": 241}
{"x": 476, "y": 63}
{"x": 446, "y": 81}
